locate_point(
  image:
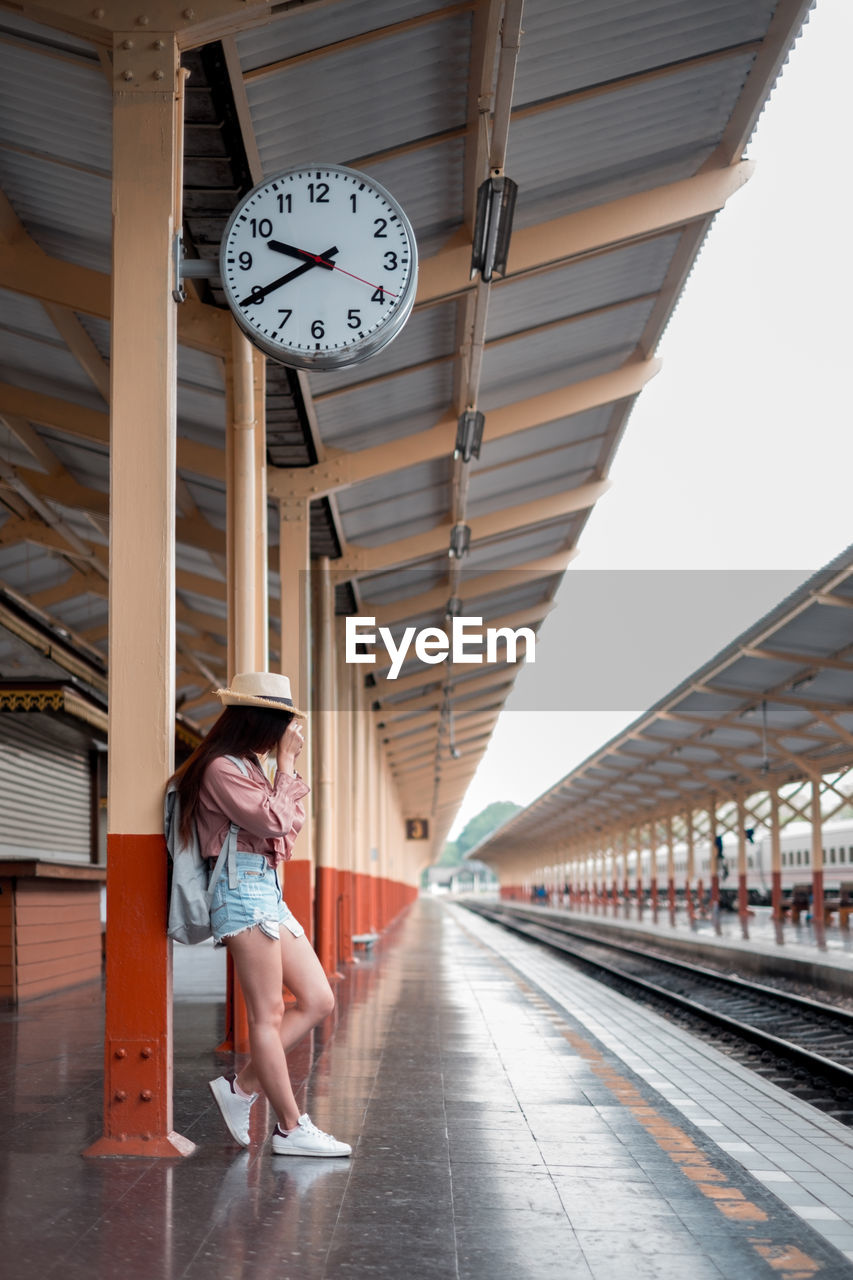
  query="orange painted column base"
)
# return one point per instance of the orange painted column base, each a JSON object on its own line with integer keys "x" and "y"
{"x": 138, "y": 1029}
{"x": 298, "y": 893}
{"x": 236, "y": 1037}
{"x": 345, "y": 916}
{"x": 326, "y": 919}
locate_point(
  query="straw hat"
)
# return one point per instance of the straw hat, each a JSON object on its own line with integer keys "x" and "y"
{"x": 259, "y": 689}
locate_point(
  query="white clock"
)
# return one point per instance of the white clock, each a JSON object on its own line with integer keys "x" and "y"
{"x": 319, "y": 266}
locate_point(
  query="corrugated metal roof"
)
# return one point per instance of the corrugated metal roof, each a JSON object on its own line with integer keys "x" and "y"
{"x": 47, "y": 367}
{"x": 601, "y": 281}
{"x": 371, "y": 415}
{"x": 67, "y": 212}
{"x": 316, "y": 28}
{"x": 610, "y": 98}
{"x": 730, "y": 729}
{"x": 601, "y": 148}
{"x": 371, "y": 517}
{"x": 359, "y": 100}
{"x": 56, "y": 107}
{"x": 570, "y": 46}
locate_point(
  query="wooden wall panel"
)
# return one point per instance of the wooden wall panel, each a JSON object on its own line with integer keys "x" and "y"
{"x": 57, "y": 935}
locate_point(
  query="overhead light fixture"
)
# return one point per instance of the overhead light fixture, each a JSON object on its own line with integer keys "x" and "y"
{"x": 469, "y": 435}
{"x": 453, "y": 608}
{"x": 493, "y": 226}
{"x": 460, "y": 540}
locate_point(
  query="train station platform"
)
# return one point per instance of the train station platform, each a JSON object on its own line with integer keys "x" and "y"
{"x": 759, "y": 946}
{"x": 509, "y": 1117}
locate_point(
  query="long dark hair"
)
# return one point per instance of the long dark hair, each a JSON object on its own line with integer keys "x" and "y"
{"x": 239, "y": 731}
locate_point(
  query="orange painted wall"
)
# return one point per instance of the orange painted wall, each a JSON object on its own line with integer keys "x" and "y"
{"x": 50, "y": 936}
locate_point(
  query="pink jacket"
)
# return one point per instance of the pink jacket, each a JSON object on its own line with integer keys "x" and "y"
{"x": 270, "y": 817}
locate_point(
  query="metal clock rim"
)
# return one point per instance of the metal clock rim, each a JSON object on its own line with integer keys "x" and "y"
{"x": 364, "y": 348}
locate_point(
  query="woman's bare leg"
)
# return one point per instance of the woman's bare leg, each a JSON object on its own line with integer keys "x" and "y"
{"x": 257, "y": 960}
{"x": 303, "y": 974}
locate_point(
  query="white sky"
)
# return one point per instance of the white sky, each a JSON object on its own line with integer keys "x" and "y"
{"x": 739, "y": 455}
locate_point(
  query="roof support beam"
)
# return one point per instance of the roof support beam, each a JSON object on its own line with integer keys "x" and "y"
{"x": 357, "y": 560}
{"x": 342, "y": 469}
{"x": 94, "y": 425}
{"x": 396, "y": 712}
{"x": 447, "y": 273}
{"x": 486, "y": 584}
{"x": 65, "y": 288}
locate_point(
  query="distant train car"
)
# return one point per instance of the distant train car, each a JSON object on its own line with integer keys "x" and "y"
{"x": 796, "y": 851}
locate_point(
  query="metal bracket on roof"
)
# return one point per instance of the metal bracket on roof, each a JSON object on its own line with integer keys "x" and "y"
{"x": 189, "y": 268}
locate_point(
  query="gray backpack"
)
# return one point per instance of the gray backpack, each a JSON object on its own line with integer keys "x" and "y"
{"x": 192, "y": 881}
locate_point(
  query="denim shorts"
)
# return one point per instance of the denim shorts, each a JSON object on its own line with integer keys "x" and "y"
{"x": 256, "y": 900}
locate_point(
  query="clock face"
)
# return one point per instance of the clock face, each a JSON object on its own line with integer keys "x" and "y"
{"x": 319, "y": 266}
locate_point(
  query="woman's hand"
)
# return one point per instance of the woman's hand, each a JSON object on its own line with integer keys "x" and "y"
{"x": 289, "y": 746}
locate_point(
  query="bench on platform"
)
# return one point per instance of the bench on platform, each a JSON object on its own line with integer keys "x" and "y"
{"x": 365, "y": 940}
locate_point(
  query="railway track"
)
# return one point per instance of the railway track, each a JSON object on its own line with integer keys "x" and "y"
{"x": 799, "y": 1043}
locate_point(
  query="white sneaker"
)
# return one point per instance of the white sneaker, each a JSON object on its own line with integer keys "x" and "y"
{"x": 235, "y": 1110}
{"x": 307, "y": 1140}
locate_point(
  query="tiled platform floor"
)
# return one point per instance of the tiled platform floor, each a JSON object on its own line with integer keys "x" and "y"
{"x": 796, "y": 942}
{"x": 495, "y": 1135}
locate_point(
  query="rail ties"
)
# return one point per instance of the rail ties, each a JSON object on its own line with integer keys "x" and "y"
{"x": 802, "y": 1044}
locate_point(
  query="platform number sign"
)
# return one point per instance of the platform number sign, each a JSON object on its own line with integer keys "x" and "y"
{"x": 417, "y": 829}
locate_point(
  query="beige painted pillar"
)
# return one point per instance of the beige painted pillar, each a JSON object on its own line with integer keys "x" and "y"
{"x": 147, "y": 130}
{"x": 242, "y": 505}
{"x": 294, "y": 571}
{"x": 690, "y": 869}
{"x": 817, "y": 863}
{"x": 325, "y": 754}
{"x": 670, "y": 869}
{"x": 262, "y": 592}
{"x": 360, "y": 799}
{"x": 246, "y": 588}
{"x": 776, "y": 862}
{"x": 742, "y": 868}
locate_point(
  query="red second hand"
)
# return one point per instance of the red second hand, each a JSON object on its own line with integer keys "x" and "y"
{"x": 367, "y": 282}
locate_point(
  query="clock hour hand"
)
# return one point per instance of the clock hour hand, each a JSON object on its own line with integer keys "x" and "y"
{"x": 259, "y": 293}
{"x": 316, "y": 259}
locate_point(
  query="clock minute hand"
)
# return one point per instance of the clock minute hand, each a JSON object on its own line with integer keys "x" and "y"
{"x": 258, "y": 294}
{"x": 316, "y": 259}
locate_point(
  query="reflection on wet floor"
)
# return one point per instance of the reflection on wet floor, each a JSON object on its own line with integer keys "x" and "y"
{"x": 490, "y": 1140}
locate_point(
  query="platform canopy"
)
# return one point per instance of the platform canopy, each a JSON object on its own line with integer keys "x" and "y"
{"x": 775, "y": 707}
{"x": 624, "y": 127}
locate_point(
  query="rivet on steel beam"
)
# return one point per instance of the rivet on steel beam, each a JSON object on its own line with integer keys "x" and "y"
{"x": 127, "y": 44}
{"x": 157, "y": 75}
{"x": 146, "y": 1095}
{"x": 120, "y": 1095}
{"x": 189, "y": 13}
{"x": 159, "y": 44}
{"x": 146, "y": 1052}
{"x": 97, "y": 13}
{"x": 143, "y": 20}
{"x": 121, "y": 1053}
{"x": 127, "y": 75}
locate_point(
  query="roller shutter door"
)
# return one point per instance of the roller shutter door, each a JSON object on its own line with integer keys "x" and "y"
{"x": 45, "y": 794}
